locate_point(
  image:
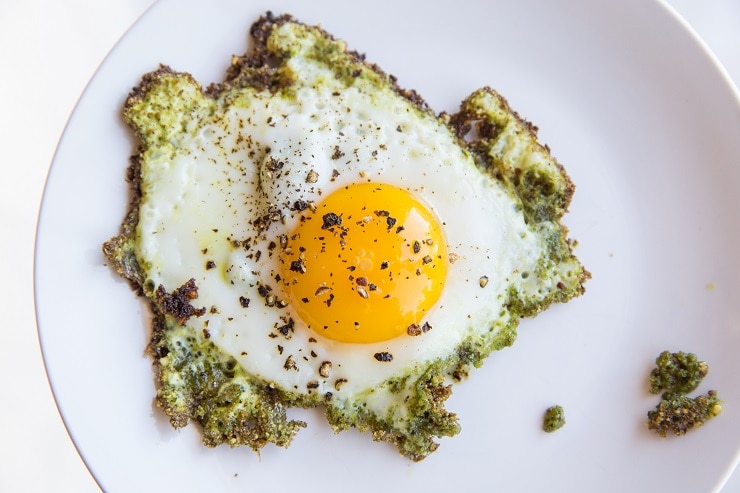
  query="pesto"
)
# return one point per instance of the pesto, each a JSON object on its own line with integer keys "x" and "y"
{"x": 679, "y": 413}
{"x": 675, "y": 375}
{"x": 201, "y": 383}
{"x": 554, "y": 419}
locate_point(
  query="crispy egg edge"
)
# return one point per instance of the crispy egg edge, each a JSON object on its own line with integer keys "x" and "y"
{"x": 198, "y": 382}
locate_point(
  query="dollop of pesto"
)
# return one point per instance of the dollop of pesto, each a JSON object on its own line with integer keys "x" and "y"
{"x": 554, "y": 419}
{"x": 675, "y": 375}
{"x": 678, "y": 413}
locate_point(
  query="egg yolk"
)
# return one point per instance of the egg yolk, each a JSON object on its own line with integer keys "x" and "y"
{"x": 365, "y": 265}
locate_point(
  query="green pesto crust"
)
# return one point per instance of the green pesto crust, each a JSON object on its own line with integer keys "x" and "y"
{"x": 674, "y": 376}
{"x": 677, "y": 373}
{"x": 678, "y": 413}
{"x": 554, "y": 419}
{"x": 197, "y": 382}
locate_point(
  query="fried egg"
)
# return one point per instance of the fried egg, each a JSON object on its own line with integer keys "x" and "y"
{"x": 310, "y": 234}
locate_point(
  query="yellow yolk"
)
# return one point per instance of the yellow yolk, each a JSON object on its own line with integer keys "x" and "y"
{"x": 365, "y": 265}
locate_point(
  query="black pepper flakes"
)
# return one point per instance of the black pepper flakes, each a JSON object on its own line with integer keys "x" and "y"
{"x": 322, "y": 290}
{"x": 384, "y": 265}
{"x": 244, "y": 301}
{"x": 263, "y": 290}
{"x": 300, "y": 205}
{"x": 330, "y": 220}
{"x": 337, "y": 153}
{"x": 290, "y": 364}
{"x": 210, "y": 265}
{"x": 298, "y": 266}
{"x": 312, "y": 177}
{"x": 414, "y": 330}
{"x": 178, "y": 304}
{"x": 287, "y": 328}
{"x": 383, "y": 356}
{"x": 417, "y": 247}
{"x": 325, "y": 369}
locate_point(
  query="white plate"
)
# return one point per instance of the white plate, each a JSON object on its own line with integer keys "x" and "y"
{"x": 646, "y": 125}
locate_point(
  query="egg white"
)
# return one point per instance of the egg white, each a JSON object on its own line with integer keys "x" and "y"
{"x": 199, "y": 205}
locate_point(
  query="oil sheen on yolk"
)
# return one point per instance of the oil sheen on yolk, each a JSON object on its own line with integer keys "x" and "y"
{"x": 366, "y": 265}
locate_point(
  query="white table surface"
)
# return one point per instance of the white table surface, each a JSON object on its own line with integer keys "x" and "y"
{"x": 48, "y": 52}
